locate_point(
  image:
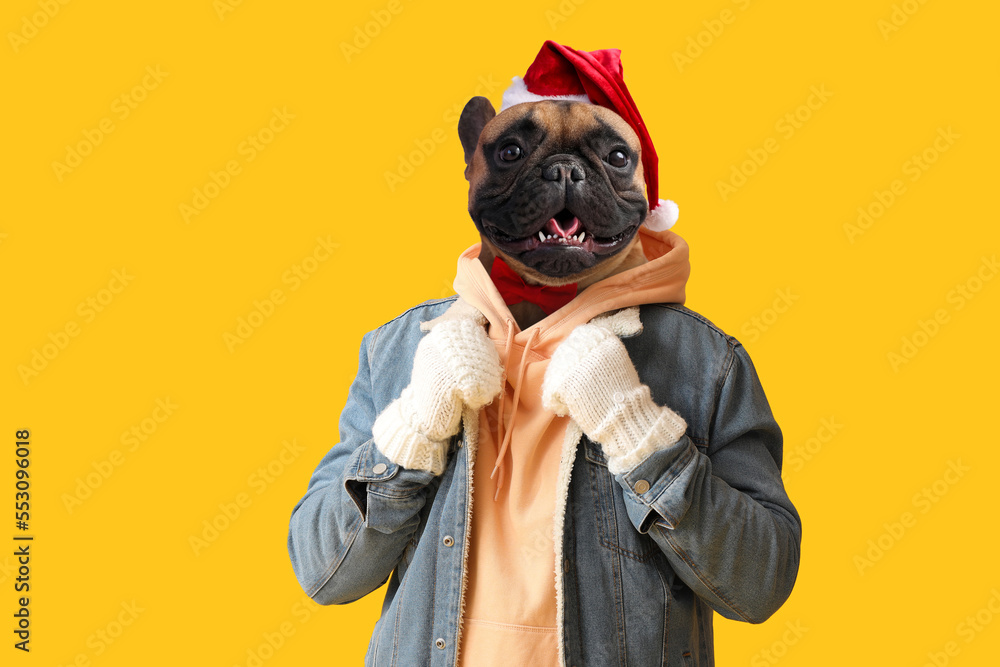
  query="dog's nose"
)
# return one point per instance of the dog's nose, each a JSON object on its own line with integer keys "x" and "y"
{"x": 560, "y": 171}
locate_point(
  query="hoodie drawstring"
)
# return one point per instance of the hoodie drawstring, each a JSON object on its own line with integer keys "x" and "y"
{"x": 517, "y": 392}
{"x": 503, "y": 389}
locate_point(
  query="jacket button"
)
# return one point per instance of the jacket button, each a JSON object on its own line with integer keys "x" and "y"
{"x": 641, "y": 487}
{"x": 619, "y": 397}
{"x": 439, "y": 642}
{"x": 448, "y": 541}
{"x": 379, "y": 468}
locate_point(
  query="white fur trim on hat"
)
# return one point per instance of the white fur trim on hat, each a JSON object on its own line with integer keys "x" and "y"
{"x": 518, "y": 93}
{"x": 663, "y": 216}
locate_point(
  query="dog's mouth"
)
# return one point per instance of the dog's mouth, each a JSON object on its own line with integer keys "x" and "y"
{"x": 563, "y": 229}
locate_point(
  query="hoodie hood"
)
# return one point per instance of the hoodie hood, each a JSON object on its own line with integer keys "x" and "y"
{"x": 661, "y": 279}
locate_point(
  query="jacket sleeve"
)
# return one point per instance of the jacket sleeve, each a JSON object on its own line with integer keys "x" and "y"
{"x": 360, "y": 510}
{"x": 722, "y": 517}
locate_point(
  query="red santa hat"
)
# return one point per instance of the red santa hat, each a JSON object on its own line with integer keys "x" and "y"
{"x": 594, "y": 77}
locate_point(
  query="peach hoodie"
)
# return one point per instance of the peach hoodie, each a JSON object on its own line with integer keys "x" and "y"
{"x": 510, "y": 605}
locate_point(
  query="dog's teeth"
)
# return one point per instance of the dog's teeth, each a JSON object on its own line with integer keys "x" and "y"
{"x": 549, "y": 236}
{"x": 541, "y": 236}
{"x": 581, "y": 236}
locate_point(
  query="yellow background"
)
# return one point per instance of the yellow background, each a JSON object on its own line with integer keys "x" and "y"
{"x": 357, "y": 115}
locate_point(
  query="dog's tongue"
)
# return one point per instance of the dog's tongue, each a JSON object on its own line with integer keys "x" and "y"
{"x": 555, "y": 228}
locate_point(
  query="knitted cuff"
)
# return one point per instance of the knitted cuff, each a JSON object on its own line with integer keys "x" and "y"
{"x": 404, "y": 445}
{"x": 636, "y": 428}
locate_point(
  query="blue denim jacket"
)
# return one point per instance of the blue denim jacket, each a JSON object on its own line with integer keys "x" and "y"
{"x": 712, "y": 529}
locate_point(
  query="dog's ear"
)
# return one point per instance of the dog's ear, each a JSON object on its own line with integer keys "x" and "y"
{"x": 477, "y": 112}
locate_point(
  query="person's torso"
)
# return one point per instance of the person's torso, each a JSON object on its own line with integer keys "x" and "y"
{"x": 622, "y": 603}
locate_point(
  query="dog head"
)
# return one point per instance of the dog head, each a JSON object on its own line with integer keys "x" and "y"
{"x": 555, "y": 187}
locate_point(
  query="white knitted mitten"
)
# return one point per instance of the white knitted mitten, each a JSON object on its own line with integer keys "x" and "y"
{"x": 591, "y": 378}
{"x": 455, "y": 364}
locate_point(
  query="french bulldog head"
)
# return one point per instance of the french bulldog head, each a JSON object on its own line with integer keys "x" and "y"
{"x": 556, "y": 188}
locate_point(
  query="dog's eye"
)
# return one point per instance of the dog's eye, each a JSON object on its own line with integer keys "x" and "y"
{"x": 510, "y": 153}
{"x": 617, "y": 159}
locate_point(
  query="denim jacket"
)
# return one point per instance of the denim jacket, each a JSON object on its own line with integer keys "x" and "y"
{"x": 647, "y": 555}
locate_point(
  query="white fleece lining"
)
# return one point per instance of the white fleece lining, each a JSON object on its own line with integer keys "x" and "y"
{"x": 566, "y": 458}
{"x": 624, "y": 322}
{"x": 460, "y": 309}
{"x": 470, "y": 418}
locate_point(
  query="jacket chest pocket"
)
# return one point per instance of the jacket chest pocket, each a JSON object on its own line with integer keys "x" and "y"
{"x": 614, "y": 529}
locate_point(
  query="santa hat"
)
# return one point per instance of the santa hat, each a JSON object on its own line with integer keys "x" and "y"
{"x": 594, "y": 77}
